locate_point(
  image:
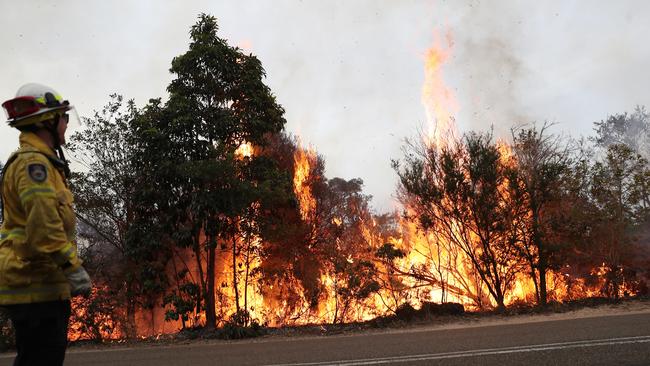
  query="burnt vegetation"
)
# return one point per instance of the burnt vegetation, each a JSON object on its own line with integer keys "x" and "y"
{"x": 201, "y": 214}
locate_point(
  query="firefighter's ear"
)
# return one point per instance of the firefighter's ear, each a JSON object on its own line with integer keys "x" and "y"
{"x": 49, "y": 124}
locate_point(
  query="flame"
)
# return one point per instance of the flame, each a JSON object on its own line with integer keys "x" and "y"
{"x": 92, "y": 317}
{"x": 304, "y": 161}
{"x": 245, "y": 150}
{"x": 439, "y": 101}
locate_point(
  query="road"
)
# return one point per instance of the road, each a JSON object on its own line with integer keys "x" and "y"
{"x": 602, "y": 340}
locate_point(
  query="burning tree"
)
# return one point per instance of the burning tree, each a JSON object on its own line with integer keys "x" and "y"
{"x": 459, "y": 194}
{"x": 346, "y": 253}
{"x": 620, "y": 191}
{"x": 328, "y": 254}
{"x": 394, "y": 292}
{"x": 289, "y": 272}
{"x": 537, "y": 184}
{"x": 217, "y": 102}
{"x": 607, "y": 216}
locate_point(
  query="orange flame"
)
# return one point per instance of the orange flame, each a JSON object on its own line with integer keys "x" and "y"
{"x": 245, "y": 150}
{"x": 304, "y": 161}
{"x": 438, "y": 100}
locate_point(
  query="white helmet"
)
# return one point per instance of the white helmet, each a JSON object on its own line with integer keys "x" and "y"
{"x": 33, "y": 104}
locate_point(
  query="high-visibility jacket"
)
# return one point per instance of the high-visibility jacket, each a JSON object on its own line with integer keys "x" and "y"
{"x": 37, "y": 235}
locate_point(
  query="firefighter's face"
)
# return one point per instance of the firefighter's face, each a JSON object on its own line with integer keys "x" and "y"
{"x": 62, "y": 127}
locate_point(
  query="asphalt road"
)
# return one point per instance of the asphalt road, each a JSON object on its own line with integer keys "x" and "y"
{"x": 604, "y": 340}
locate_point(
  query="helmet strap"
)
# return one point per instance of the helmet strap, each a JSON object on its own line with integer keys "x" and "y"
{"x": 66, "y": 166}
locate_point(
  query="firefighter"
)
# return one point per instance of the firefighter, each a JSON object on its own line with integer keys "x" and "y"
{"x": 39, "y": 266}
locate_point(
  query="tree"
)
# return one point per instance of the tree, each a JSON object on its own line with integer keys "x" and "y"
{"x": 182, "y": 299}
{"x": 541, "y": 164}
{"x": 217, "y": 102}
{"x": 604, "y": 224}
{"x": 393, "y": 289}
{"x": 632, "y": 130}
{"x": 149, "y": 240}
{"x": 345, "y": 250}
{"x": 270, "y": 186}
{"x": 104, "y": 196}
{"x": 314, "y": 244}
{"x": 460, "y": 193}
{"x": 620, "y": 192}
{"x": 289, "y": 272}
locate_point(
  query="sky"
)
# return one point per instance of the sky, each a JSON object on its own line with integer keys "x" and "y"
{"x": 349, "y": 73}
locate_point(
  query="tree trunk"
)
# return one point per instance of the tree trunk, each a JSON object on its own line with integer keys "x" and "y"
{"x": 153, "y": 321}
{"x": 542, "y": 281}
{"x": 234, "y": 272}
{"x": 543, "y": 256}
{"x": 131, "y": 329}
{"x": 533, "y": 277}
{"x": 501, "y": 306}
{"x": 131, "y": 326}
{"x": 210, "y": 315}
{"x": 203, "y": 286}
{"x": 248, "y": 266}
{"x": 336, "y": 300}
{"x": 443, "y": 289}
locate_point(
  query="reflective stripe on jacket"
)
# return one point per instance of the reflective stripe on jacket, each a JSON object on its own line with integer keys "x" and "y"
{"x": 37, "y": 235}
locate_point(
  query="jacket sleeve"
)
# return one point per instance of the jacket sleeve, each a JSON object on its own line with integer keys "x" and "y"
{"x": 44, "y": 228}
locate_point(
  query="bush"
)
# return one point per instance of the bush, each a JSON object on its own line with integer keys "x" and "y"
{"x": 96, "y": 318}
{"x": 447, "y": 308}
{"x": 234, "y": 331}
{"x": 241, "y": 325}
{"x": 405, "y": 312}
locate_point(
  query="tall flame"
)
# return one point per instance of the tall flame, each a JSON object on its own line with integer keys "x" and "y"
{"x": 439, "y": 101}
{"x": 304, "y": 161}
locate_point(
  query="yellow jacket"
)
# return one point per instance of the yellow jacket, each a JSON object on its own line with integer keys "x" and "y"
{"x": 37, "y": 235}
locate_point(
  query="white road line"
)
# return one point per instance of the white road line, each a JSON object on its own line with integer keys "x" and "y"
{"x": 478, "y": 352}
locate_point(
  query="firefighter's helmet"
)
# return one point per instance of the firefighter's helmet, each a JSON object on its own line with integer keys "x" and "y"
{"x": 34, "y": 104}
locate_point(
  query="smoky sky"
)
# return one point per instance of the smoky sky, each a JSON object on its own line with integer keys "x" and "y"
{"x": 349, "y": 72}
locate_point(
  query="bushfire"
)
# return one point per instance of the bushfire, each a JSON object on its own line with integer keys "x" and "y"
{"x": 362, "y": 265}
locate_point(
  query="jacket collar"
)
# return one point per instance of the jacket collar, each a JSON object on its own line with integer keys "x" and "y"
{"x": 29, "y": 139}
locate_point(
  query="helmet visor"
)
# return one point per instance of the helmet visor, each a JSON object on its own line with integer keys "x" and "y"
{"x": 72, "y": 119}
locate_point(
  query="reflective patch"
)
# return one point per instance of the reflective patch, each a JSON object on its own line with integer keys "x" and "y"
{"x": 37, "y": 172}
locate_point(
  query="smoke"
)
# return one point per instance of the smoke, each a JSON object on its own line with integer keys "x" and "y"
{"x": 487, "y": 67}
{"x": 495, "y": 78}
{"x": 520, "y": 62}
